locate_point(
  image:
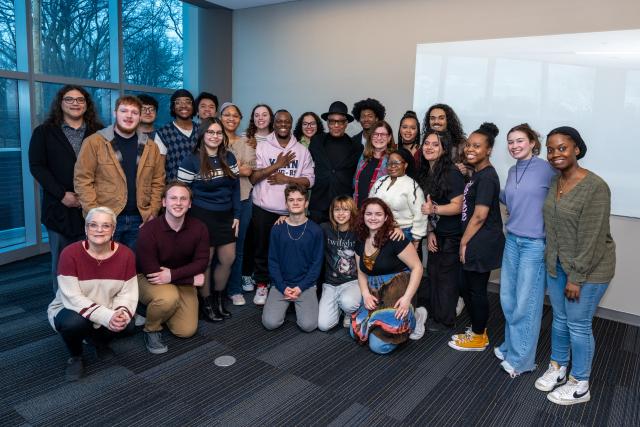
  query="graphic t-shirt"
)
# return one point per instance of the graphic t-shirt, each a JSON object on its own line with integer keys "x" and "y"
{"x": 339, "y": 255}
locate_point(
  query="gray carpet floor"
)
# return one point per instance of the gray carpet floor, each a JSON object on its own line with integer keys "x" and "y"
{"x": 286, "y": 377}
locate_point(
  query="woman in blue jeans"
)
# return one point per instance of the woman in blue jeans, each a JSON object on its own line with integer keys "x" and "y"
{"x": 580, "y": 258}
{"x": 523, "y": 277}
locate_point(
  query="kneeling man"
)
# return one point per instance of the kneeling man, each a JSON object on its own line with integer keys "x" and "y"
{"x": 295, "y": 260}
{"x": 172, "y": 256}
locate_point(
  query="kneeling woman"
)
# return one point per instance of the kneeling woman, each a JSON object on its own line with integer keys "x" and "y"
{"x": 389, "y": 274}
{"x": 98, "y": 291}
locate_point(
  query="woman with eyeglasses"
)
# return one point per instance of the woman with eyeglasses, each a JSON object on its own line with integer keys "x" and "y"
{"x": 308, "y": 125}
{"x": 373, "y": 161}
{"x": 212, "y": 173}
{"x": 98, "y": 291}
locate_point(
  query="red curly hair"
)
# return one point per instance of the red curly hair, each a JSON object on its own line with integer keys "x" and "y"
{"x": 382, "y": 235}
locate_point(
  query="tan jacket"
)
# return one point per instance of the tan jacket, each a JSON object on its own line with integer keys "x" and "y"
{"x": 100, "y": 181}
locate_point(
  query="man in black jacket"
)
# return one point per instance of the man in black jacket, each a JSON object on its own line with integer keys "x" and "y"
{"x": 335, "y": 156}
{"x": 53, "y": 150}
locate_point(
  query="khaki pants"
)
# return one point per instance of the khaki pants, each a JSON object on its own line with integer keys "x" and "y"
{"x": 174, "y": 305}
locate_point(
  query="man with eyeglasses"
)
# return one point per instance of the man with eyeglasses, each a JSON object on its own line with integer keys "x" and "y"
{"x": 53, "y": 150}
{"x": 121, "y": 168}
{"x": 148, "y": 114}
{"x": 335, "y": 156}
{"x": 178, "y": 138}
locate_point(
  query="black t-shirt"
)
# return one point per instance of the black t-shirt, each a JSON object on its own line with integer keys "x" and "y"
{"x": 364, "y": 180}
{"x": 128, "y": 148}
{"x": 450, "y": 225}
{"x": 387, "y": 261}
{"x": 484, "y": 250}
{"x": 339, "y": 255}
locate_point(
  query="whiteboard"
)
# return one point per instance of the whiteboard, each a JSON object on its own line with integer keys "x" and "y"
{"x": 590, "y": 81}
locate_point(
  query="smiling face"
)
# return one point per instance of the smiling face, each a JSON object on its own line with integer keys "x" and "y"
{"x": 519, "y": 145}
{"x": 380, "y": 138}
{"x": 409, "y": 129}
{"x": 282, "y": 125}
{"x": 309, "y": 126}
{"x": 73, "y": 105}
{"x": 183, "y": 107}
{"x": 100, "y": 228}
{"x": 177, "y": 202}
{"x": 396, "y": 166}
{"x": 127, "y": 118}
{"x": 213, "y": 138}
{"x": 477, "y": 149}
{"x": 296, "y": 203}
{"x": 261, "y": 118}
{"x": 341, "y": 214}
{"x": 562, "y": 152}
{"x": 206, "y": 109}
{"x": 231, "y": 119}
{"x": 374, "y": 217}
{"x": 438, "y": 119}
{"x": 432, "y": 148}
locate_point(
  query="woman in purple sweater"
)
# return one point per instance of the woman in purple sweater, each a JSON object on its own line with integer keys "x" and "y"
{"x": 522, "y": 278}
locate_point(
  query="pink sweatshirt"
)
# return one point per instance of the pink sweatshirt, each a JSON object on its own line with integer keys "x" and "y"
{"x": 271, "y": 197}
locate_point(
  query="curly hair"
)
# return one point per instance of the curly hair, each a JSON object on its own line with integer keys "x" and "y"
{"x": 252, "y": 128}
{"x": 454, "y": 127}
{"x": 90, "y": 116}
{"x": 297, "y": 132}
{"x": 532, "y": 135}
{"x": 346, "y": 202}
{"x": 489, "y": 131}
{"x": 367, "y": 153}
{"x": 410, "y": 115}
{"x": 434, "y": 182}
{"x": 206, "y": 95}
{"x": 382, "y": 235}
{"x": 205, "y": 165}
{"x": 369, "y": 104}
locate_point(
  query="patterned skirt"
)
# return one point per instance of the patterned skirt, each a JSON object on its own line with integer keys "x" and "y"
{"x": 382, "y": 322}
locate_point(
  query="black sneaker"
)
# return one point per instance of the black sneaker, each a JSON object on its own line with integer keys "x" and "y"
{"x": 75, "y": 368}
{"x": 153, "y": 341}
{"x": 104, "y": 352}
{"x": 433, "y": 326}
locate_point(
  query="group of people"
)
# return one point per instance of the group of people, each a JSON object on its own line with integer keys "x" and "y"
{"x": 161, "y": 226}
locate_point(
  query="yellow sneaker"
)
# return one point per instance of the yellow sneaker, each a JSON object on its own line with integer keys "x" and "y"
{"x": 471, "y": 342}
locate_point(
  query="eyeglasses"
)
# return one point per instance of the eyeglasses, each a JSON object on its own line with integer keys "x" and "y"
{"x": 70, "y": 100}
{"x": 395, "y": 163}
{"x": 380, "y": 135}
{"x": 182, "y": 102}
{"x": 94, "y": 226}
{"x": 309, "y": 124}
{"x": 213, "y": 132}
{"x": 148, "y": 109}
{"x": 336, "y": 122}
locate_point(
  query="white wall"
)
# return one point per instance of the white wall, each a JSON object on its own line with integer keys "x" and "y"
{"x": 303, "y": 55}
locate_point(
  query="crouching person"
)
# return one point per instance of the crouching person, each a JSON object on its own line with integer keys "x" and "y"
{"x": 172, "y": 255}
{"x": 97, "y": 291}
{"x": 295, "y": 260}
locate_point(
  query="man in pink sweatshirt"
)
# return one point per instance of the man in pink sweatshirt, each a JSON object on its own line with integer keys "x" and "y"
{"x": 280, "y": 160}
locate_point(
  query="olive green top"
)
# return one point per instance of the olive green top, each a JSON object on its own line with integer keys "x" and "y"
{"x": 577, "y": 227}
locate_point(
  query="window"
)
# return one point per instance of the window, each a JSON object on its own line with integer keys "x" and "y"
{"x": 45, "y": 92}
{"x": 163, "y": 114}
{"x": 7, "y": 35}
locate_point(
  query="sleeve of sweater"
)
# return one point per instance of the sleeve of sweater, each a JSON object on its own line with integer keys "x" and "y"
{"x": 317, "y": 256}
{"x": 39, "y": 164}
{"x": 419, "y": 226}
{"x": 274, "y": 258}
{"x": 308, "y": 168}
{"x": 184, "y": 275}
{"x": 147, "y": 252}
{"x": 188, "y": 170}
{"x": 595, "y": 212}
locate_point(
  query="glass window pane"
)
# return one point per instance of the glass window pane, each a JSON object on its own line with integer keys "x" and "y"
{"x": 7, "y": 35}
{"x": 71, "y": 38}
{"x": 163, "y": 115}
{"x": 46, "y": 92}
{"x": 152, "y": 33}
{"x": 12, "y": 231}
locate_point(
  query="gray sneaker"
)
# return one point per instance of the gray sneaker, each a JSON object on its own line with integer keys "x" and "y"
{"x": 75, "y": 368}
{"x": 153, "y": 341}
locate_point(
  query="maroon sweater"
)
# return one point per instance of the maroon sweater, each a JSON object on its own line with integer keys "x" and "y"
{"x": 184, "y": 252}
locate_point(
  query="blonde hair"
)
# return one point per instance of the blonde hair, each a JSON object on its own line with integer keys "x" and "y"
{"x": 347, "y": 202}
{"x": 103, "y": 210}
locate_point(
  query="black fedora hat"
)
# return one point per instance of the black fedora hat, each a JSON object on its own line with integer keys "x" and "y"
{"x": 338, "y": 107}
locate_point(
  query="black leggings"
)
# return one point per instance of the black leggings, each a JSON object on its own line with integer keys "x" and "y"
{"x": 74, "y": 328}
{"x": 441, "y": 286}
{"x": 262, "y": 222}
{"x": 474, "y": 293}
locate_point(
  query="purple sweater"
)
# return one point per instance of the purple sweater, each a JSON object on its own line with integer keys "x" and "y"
{"x": 524, "y": 198}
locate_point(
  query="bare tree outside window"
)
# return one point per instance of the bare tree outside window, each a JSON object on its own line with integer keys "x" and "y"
{"x": 7, "y": 35}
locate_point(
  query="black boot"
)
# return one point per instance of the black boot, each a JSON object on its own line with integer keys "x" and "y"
{"x": 219, "y": 297}
{"x": 209, "y": 311}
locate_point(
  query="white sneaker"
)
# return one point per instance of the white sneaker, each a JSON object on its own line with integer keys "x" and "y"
{"x": 460, "y": 306}
{"x": 508, "y": 368}
{"x": 467, "y": 333}
{"x": 139, "y": 320}
{"x": 237, "y": 299}
{"x": 248, "y": 285}
{"x": 260, "y": 297}
{"x": 346, "y": 322}
{"x": 498, "y": 353}
{"x": 421, "y": 319}
{"x": 556, "y": 375}
{"x": 572, "y": 392}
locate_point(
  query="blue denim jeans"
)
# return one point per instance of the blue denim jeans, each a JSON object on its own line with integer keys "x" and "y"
{"x": 234, "y": 285}
{"x": 376, "y": 345}
{"x": 127, "y": 229}
{"x": 522, "y": 283}
{"x": 571, "y": 332}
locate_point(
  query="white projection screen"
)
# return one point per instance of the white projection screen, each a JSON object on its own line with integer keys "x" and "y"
{"x": 590, "y": 81}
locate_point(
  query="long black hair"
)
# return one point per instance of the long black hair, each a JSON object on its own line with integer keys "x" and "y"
{"x": 206, "y": 171}
{"x": 90, "y": 116}
{"x": 297, "y": 132}
{"x": 434, "y": 182}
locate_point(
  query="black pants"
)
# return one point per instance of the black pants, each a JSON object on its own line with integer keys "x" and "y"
{"x": 319, "y": 216}
{"x": 262, "y": 223}
{"x": 474, "y": 293}
{"x": 74, "y": 328}
{"x": 441, "y": 286}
